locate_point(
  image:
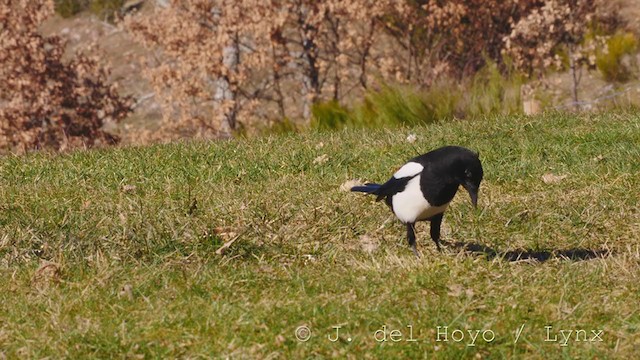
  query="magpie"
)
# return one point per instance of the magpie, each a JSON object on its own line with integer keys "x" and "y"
{"x": 422, "y": 189}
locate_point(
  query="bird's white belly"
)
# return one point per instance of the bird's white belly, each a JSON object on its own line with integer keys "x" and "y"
{"x": 411, "y": 206}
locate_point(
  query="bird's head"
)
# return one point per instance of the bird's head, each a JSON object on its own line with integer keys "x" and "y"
{"x": 469, "y": 174}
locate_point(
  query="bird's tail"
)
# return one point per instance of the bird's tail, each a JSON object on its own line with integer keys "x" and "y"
{"x": 367, "y": 188}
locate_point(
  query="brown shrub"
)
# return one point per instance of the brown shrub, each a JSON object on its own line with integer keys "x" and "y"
{"x": 45, "y": 101}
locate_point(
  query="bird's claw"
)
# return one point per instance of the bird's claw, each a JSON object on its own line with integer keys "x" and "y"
{"x": 415, "y": 251}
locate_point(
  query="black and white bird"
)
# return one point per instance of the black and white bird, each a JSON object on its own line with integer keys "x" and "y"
{"x": 422, "y": 189}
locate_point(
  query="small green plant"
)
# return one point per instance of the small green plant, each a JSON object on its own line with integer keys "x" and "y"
{"x": 68, "y": 8}
{"x": 103, "y": 8}
{"x": 611, "y": 62}
{"x": 282, "y": 126}
{"x": 492, "y": 92}
{"x": 329, "y": 115}
{"x": 106, "y": 9}
{"x": 444, "y": 99}
{"x": 489, "y": 92}
{"x": 397, "y": 105}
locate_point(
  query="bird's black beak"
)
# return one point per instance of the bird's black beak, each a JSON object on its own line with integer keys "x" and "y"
{"x": 472, "y": 189}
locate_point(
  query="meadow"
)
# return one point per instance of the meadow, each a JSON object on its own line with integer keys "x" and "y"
{"x": 245, "y": 248}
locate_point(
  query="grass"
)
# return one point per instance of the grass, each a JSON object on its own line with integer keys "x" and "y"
{"x": 486, "y": 94}
{"x": 620, "y": 48}
{"x": 111, "y": 253}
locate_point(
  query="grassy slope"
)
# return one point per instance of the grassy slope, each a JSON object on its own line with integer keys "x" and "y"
{"x": 137, "y": 275}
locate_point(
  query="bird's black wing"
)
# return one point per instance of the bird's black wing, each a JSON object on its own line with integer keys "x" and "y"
{"x": 392, "y": 187}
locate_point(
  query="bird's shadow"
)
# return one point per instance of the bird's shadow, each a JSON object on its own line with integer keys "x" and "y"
{"x": 574, "y": 254}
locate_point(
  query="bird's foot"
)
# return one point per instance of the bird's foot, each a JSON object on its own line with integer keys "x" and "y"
{"x": 437, "y": 242}
{"x": 415, "y": 251}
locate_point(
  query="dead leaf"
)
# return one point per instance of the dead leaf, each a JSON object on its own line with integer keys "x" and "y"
{"x": 469, "y": 293}
{"x": 347, "y": 185}
{"x": 128, "y": 188}
{"x": 550, "y": 178}
{"x": 321, "y": 159}
{"x": 48, "y": 272}
{"x": 226, "y": 233}
{"x": 126, "y": 292}
{"x": 368, "y": 244}
{"x": 411, "y": 138}
{"x": 455, "y": 290}
{"x": 308, "y": 258}
{"x": 280, "y": 340}
{"x": 226, "y": 246}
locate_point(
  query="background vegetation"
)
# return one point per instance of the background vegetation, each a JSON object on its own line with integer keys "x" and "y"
{"x": 106, "y": 9}
{"x": 216, "y": 69}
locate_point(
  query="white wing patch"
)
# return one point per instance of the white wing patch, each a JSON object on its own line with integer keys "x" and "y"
{"x": 407, "y": 170}
{"x": 411, "y": 206}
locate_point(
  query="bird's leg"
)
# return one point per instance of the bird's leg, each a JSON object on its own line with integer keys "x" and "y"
{"x": 411, "y": 236}
{"x": 436, "y": 221}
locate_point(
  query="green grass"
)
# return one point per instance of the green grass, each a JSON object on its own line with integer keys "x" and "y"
{"x": 102, "y": 8}
{"x": 133, "y": 233}
{"x": 488, "y": 93}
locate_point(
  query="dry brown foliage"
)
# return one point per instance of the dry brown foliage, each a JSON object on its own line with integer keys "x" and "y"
{"x": 45, "y": 100}
{"x": 222, "y": 61}
{"x": 224, "y": 65}
{"x": 219, "y": 61}
{"x": 46, "y": 274}
{"x": 453, "y": 37}
{"x": 538, "y": 40}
